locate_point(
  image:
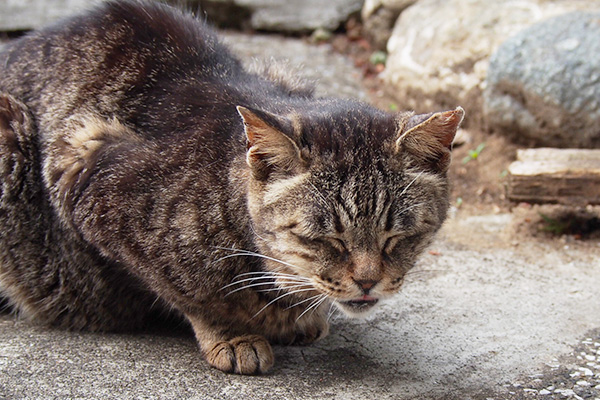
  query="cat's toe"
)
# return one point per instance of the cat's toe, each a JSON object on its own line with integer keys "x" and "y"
{"x": 246, "y": 355}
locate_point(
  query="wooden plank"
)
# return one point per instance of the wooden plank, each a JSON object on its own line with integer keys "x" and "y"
{"x": 565, "y": 176}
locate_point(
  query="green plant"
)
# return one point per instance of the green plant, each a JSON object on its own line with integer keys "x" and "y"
{"x": 473, "y": 154}
{"x": 378, "y": 57}
{"x": 554, "y": 225}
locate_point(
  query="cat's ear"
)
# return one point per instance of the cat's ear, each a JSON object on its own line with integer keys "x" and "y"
{"x": 269, "y": 149}
{"x": 428, "y": 137}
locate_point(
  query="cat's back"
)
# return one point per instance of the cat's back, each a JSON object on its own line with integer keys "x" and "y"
{"x": 111, "y": 58}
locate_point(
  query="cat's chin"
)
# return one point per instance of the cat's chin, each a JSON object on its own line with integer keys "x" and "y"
{"x": 358, "y": 308}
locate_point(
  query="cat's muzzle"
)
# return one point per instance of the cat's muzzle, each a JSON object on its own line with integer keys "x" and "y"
{"x": 360, "y": 305}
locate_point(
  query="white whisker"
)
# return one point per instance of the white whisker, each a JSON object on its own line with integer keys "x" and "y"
{"x": 411, "y": 183}
{"x": 299, "y": 285}
{"x": 332, "y": 310}
{"x": 248, "y": 253}
{"x": 273, "y": 274}
{"x": 303, "y": 301}
{"x": 411, "y": 207}
{"x": 261, "y": 284}
{"x": 267, "y": 280}
{"x": 281, "y": 297}
{"x": 256, "y": 233}
{"x": 319, "y": 194}
{"x": 314, "y": 305}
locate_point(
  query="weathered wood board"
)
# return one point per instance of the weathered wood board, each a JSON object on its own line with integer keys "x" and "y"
{"x": 546, "y": 175}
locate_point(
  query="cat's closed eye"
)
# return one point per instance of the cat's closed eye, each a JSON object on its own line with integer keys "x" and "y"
{"x": 390, "y": 243}
{"x": 338, "y": 244}
{"x": 399, "y": 241}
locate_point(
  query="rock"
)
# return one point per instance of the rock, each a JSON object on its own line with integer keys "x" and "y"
{"x": 30, "y": 14}
{"x": 378, "y": 18}
{"x": 269, "y": 15}
{"x": 543, "y": 85}
{"x": 331, "y": 73}
{"x": 285, "y": 15}
{"x": 439, "y": 50}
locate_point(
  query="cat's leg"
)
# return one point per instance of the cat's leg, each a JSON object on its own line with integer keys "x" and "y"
{"x": 245, "y": 354}
{"x": 112, "y": 186}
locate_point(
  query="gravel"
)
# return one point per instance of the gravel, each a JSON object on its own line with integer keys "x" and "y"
{"x": 572, "y": 376}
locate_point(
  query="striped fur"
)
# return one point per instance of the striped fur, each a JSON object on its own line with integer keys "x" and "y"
{"x": 146, "y": 175}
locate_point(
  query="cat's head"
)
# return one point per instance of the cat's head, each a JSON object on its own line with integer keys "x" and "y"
{"x": 347, "y": 196}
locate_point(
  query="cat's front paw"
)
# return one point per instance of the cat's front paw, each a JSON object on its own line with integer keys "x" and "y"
{"x": 246, "y": 355}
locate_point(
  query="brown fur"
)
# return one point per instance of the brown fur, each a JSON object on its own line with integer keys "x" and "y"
{"x": 145, "y": 171}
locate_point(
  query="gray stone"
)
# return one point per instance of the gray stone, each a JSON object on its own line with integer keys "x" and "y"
{"x": 439, "y": 50}
{"x": 333, "y": 74}
{"x": 18, "y": 15}
{"x": 286, "y": 15}
{"x": 268, "y": 15}
{"x": 543, "y": 85}
{"x": 379, "y": 17}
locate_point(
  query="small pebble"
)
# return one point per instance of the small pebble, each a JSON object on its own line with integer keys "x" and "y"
{"x": 544, "y": 392}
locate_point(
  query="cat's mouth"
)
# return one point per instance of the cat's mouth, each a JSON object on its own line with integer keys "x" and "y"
{"x": 361, "y": 304}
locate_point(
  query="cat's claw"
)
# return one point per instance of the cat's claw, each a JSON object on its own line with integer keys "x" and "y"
{"x": 246, "y": 355}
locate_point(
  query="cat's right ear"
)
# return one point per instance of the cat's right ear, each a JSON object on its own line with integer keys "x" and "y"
{"x": 269, "y": 149}
{"x": 427, "y": 138}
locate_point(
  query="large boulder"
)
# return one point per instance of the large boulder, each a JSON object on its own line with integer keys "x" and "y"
{"x": 543, "y": 84}
{"x": 379, "y": 17}
{"x": 439, "y": 50}
{"x": 282, "y": 15}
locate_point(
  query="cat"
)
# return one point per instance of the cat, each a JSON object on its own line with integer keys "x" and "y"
{"x": 144, "y": 172}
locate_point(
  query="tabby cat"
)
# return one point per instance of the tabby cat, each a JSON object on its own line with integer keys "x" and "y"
{"x": 145, "y": 171}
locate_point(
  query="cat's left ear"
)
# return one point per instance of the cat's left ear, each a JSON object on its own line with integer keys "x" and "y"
{"x": 269, "y": 148}
{"x": 428, "y": 138}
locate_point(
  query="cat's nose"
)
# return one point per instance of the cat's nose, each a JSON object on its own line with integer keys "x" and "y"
{"x": 365, "y": 284}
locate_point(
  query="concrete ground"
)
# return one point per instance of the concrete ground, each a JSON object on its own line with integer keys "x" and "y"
{"x": 487, "y": 314}
{"x": 474, "y": 321}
